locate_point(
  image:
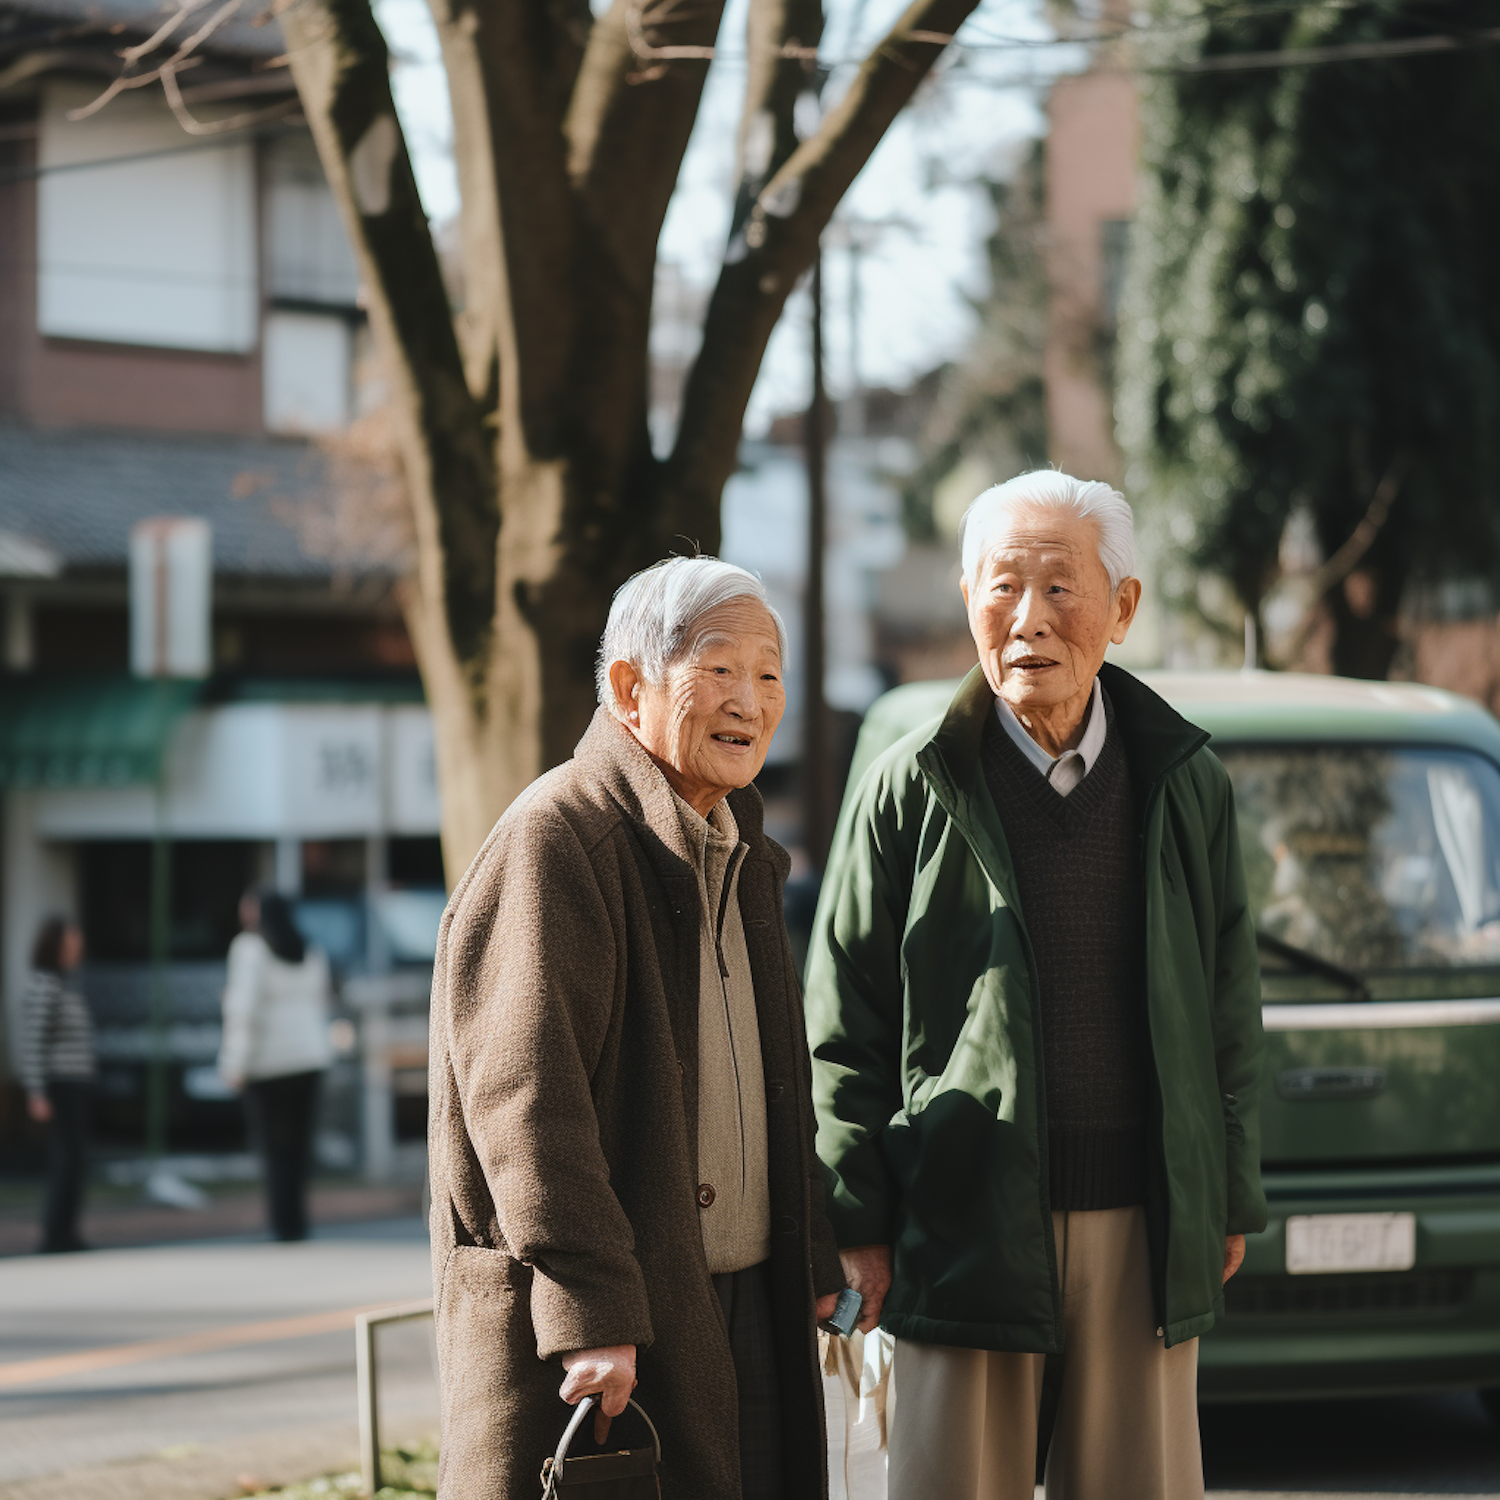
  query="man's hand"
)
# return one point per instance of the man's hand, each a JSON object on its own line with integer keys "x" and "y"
{"x": 39, "y": 1107}
{"x": 607, "y": 1373}
{"x": 1234, "y": 1254}
{"x": 868, "y": 1270}
{"x": 824, "y": 1309}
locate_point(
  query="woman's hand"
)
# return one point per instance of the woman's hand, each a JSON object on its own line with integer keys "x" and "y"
{"x": 868, "y": 1269}
{"x": 607, "y": 1373}
{"x": 39, "y": 1107}
{"x": 1234, "y": 1254}
{"x": 824, "y": 1308}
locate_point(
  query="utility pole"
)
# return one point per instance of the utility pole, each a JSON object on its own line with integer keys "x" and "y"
{"x": 856, "y": 401}
{"x": 817, "y": 767}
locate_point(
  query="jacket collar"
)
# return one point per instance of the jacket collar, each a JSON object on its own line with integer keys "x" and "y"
{"x": 610, "y": 755}
{"x": 1156, "y": 738}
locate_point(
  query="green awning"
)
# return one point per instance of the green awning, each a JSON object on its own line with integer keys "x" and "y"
{"x": 77, "y": 730}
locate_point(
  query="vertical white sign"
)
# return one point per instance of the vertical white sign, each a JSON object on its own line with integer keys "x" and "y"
{"x": 171, "y": 597}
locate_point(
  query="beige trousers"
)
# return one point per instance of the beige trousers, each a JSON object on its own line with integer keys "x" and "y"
{"x": 963, "y": 1421}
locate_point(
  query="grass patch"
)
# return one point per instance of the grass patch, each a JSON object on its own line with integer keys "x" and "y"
{"x": 408, "y": 1474}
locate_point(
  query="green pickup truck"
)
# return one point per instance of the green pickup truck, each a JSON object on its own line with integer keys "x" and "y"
{"x": 1370, "y": 820}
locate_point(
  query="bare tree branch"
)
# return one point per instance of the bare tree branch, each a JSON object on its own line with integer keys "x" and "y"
{"x": 511, "y": 66}
{"x": 195, "y": 126}
{"x": 627, "y": 129}
{"x": 180, "y": 60}
{"x": 782, "y": 39}
{"x": 35, "y": 64}
{"x": 152, "y": 42}
{"x": 1334, "y": 570}
{"x": 1362, "y": 538}
{"x": 775, "y": 246}
{"x": 340, "y": 62}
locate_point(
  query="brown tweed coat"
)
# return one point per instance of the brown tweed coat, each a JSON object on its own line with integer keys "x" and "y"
{"x": 563, "y": 1077}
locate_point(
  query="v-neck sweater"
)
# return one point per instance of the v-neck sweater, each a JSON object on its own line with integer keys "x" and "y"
{"x": 1078, "y": 876}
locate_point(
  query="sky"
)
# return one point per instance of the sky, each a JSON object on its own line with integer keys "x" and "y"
{"x": 914, "y": 209}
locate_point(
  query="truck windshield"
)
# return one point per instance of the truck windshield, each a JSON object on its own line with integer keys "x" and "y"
{"x": 1372, "y": 858}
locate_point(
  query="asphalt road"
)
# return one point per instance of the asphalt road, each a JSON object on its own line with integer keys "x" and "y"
{"x": 263, "y": 1343}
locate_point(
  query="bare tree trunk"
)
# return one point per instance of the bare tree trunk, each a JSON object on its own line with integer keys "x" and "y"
{"x": 1366, "y": 626}
{"x": 522, "y": 429}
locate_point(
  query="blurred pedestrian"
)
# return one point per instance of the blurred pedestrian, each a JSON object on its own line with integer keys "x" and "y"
{"x": 623, "y": 1182}
{"x": 276, "y": 1048}
{"x": 57, "y": 1071}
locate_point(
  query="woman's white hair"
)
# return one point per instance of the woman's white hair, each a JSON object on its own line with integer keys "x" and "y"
{"x": 653, "y": 620}
{"x": 1046, "y": 489}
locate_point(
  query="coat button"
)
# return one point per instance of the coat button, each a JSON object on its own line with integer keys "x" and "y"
{"x": 1161, "y": 1333}
{"x": 706, "y": 1195}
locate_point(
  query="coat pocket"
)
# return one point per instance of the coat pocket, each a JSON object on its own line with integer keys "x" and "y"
{"x": 1234, "y": 1130}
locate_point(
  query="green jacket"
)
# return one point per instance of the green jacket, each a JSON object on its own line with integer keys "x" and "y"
{"x": 922, "y": 1018}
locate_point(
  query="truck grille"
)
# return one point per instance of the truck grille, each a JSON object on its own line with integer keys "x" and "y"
{"x": 1398, "y": 1291}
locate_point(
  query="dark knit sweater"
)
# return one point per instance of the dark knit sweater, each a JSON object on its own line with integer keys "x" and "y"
{"x": 1078, "y": 873}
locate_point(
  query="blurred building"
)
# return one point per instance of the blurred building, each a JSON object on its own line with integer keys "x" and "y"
{"x": 179, "y": 322}
{"x": 1092, "y": 158}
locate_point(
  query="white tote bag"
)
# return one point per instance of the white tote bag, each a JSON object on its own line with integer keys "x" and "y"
{"x": 856, "y": 1383}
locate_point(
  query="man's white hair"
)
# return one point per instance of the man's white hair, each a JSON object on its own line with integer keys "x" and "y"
{"x": 654, "y": 618}
{"x": 1046, "y": 489}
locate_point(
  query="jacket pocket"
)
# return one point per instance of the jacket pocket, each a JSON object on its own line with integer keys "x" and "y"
{"x": 1234, "y": 1130}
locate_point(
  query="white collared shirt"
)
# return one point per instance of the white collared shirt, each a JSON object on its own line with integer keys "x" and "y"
{"x": 1064, "y": 771}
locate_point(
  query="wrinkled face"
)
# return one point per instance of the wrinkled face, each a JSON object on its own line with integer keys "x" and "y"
{"x": 1042, "y": 611}
{"x": 710, "y": 723}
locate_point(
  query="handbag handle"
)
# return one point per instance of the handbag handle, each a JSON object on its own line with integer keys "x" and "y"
{"x": 582, "y": 1410}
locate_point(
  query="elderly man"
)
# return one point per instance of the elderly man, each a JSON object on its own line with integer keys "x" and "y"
{"x": 624, "y": 1190}
{"x": 1033, "y": 1002}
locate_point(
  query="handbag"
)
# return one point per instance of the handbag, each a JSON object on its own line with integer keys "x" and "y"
{"x": 626, "y": 1474}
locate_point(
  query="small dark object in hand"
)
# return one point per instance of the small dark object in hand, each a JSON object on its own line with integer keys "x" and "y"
{"x": 845, "y": 1314}
{"x": 626, "y": 1474}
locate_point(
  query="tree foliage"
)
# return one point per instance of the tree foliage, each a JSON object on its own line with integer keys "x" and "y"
{"x": 1312, "y": 318}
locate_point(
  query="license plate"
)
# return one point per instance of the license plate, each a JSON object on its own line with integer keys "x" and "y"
{"x": 1317, "y": 1244}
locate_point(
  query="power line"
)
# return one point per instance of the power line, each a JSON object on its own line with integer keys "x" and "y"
{"x": 216, "y": 143}
{"x": 1224, "y": 62}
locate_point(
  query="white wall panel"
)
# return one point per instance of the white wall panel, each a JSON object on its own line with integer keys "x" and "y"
{"x": 305, "y": 368}
{"x": 145, "y": 234}
{"x": 308, "y": 258}
{"x": 411, "y": 772}
{"x": 333, "y": 770}
{"x": 270, "y": 771}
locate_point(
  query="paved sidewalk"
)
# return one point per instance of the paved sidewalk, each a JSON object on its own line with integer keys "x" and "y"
{"x": 114, "y": 1218}
{"x": 249, "y": 1355}
{"x": 218, "y": 1471}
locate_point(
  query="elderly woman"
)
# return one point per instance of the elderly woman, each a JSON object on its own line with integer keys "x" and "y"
{"x": 624, "y": 1192}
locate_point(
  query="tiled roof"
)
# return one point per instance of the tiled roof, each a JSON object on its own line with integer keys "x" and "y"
{"x": 76, "y": 494}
